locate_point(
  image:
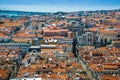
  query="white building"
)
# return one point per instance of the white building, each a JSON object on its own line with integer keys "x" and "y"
{"x": 86, "y": 39}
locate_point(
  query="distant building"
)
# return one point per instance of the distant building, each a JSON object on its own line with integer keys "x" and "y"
{"x": 35, "y": 46}
{"x": 116, "y": 44}
{"x": 109, "y": 35}
{"x": 26, "y": 79}
{"x": 56, "y": 31}
{"x": 4, "y": 37}
{"x": 23, "y": 46}
{"x": 86, "y": 39}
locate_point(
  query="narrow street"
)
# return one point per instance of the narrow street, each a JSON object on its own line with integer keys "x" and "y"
{"x": 86, "y": 69}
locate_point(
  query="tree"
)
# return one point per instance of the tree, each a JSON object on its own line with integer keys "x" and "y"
{"x": 1, "y": 22}
{"x": 74, "y": 49}
{"x": 3, "y": 41}
{"x": 105, "y": 41}
{"x": 43, "y": 25}
{"x": 101, "y": 41}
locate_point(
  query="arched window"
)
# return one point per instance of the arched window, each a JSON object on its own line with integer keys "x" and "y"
{"x": 34, "y": 51}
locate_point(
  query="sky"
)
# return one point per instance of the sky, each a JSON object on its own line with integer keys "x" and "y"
{"x": 59, "y": 5}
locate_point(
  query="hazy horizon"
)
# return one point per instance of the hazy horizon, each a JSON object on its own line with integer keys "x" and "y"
{"x": 59, "y": 5}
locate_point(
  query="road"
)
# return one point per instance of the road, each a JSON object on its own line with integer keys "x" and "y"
{"x": 86, "y": 69}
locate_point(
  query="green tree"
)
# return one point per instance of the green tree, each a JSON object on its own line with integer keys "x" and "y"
{"x": 1, "y": 22}
{"x": 43, "y": 25}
